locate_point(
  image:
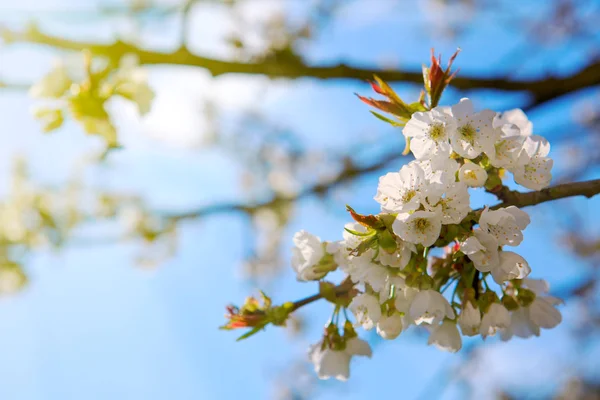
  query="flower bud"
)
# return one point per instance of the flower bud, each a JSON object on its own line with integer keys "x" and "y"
{"x": 472, "y": 174}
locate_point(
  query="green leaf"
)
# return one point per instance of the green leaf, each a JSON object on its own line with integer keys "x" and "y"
{"x": 385, "y": 119}
{"x": 362, "y": 234}
{"x": 254, "y": 330}
{"x": 389, "y": 92}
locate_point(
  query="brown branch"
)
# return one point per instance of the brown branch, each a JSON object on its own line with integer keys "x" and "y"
{"x": 542, "y": 90}
{"x": 519, "y": 199}
{"x": 514, "y": 198}
{"x": 350, "y": 172}
{"x": 508, "y": 197}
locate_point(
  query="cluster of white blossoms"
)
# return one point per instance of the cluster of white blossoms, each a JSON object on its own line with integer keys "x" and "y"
{"x": 397, "y": 282}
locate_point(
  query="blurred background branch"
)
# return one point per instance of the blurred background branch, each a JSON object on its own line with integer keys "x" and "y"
{"x": 540, "y": 90}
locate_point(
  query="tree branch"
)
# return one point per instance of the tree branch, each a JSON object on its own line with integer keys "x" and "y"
{"x": 541, "y": 90}
{"x": 518, "y": 199}
{"x": 340, "y": 289}
{"x": 350, "y": 172}
{"x": 509, "y": 197}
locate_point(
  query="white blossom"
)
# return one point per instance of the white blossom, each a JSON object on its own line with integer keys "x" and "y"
{"x": 496, "y": 318}
{"x": 342, "y": 249}
{"x": 330, "y": 363}
{"x": 402, "y": 302}
{"x": 397, "y": 282}
{"x": 402, "y": 191}
{"x": 543, "y": 313}
{"x": 365, "y": 271}
{"x": 420, "y": 227}
{"x": 482, "y": 249}
{"x": 454, "y": 205}
{"x": 446, "y": 337}
{"x": 429, "y": 134}
{"x": 473, "y": 175}
{"x": 508, "y": 153}
{"x": 508, "y": 149}
{"x": 536, "y": 174}
{"x": 505, "y": 224}
{"x": 404, "y": 299}
{"x": 527, "y": 321}
{"x": 538, "y": 286}
{"x": 474, "y": 130}
{"x": 366, "y": 309}
{"x": 440, "y": 175}
{"x": 358, "y": 347}
{"x": 520, "y": 325}
{"x": 431, "y": 307}
{"x": 515, "y": 117}
{"x": 307, "y": 257}
{"x": 399, "y": 258}
{"x": 469, "y": 319}
{"x": 511, "y": 266}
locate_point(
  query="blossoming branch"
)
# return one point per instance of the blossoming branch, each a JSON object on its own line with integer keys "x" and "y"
{"x": 478, "y": 285}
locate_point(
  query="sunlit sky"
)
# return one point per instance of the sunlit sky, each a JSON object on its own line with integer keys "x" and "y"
{"x": 92, "y": 325}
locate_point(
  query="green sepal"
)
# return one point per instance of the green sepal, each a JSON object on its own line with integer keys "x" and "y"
{"x": 251, "y": 332}
{"x": 327, "y": 290}
{"x": 362, "y": 234}
{"x": 416, "y": 107}
{"x": 510, "y": 302}
{"x": 525, "y": 297}
{"x": 365, "y": 245}
{"x": 493, "y": 181}
{"x": 387, "y": 241}
{"x": 386, "y": 119}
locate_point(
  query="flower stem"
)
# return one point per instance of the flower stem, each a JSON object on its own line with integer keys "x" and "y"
{"x": 342, "y": 288}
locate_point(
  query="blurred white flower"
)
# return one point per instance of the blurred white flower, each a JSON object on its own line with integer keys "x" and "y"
{"x": 430, "y": 307}
{"x": 446, "y": 337}
{"x": 496, "y": 318}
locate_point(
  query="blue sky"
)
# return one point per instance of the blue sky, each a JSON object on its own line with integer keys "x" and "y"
{"x": 92, "y": 325}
